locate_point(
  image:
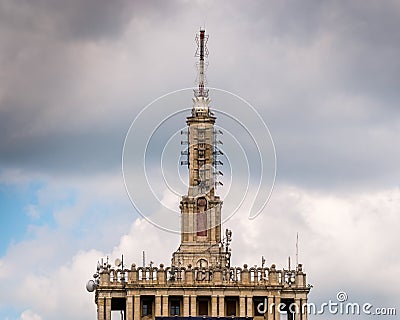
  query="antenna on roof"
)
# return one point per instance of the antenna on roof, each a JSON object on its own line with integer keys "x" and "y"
{"x": 297, "y": 251}
{"x": 201, "y": 52}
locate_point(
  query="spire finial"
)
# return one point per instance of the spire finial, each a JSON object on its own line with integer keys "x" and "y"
{"x": 202, "y": 53}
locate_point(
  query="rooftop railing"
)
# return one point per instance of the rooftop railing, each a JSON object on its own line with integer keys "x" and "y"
{"x": 172, "y": 276}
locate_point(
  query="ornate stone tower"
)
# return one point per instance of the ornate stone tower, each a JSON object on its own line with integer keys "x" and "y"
{"x": 201, "y": 209}
{"x": 200, "y": 283}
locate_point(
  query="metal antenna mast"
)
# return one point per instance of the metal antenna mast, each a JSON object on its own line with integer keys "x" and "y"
{"x": 202, "y": 52}
{"x": 297, "y": 250}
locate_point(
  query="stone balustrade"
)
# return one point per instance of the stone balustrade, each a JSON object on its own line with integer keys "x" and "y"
{"x": 194, "y": 276}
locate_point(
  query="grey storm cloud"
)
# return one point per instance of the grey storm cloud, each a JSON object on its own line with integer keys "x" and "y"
{"x": 323, "y": 75}
{"x": 71, "y": 20}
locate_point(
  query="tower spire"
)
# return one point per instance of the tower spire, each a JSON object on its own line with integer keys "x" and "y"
{"x": 201, "y": 239}
{"x": 202, "y": 53}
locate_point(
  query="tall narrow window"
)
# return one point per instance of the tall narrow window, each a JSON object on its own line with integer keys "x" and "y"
{"x": 231, "y": 306}
{"x": 147, "y": 307}
{"x": 201, "y": 217}
{"x": 203, "y": 307}
{"x": 175, "y": 308}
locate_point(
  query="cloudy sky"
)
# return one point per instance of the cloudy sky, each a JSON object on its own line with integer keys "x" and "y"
{"x": 324, "y": 76}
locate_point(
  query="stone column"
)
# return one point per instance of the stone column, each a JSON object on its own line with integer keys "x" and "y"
{"x": 191, "y": 223}
{"x": 277, "y": 307}
{"x": 270, "y": 309}
{"x": 100, "y": 308}
{"x": 165, "y": 311}
{"x": 129, "y": 308}
{"x": 136, "y": 307}
{"x": 186, "y": 311}
{"x": 212, "y": 220}
{"x": 214, "y": 306}
{"x": 249, "y": 312}
{"x": 108, "y": 308}
{"x": 158, "y": 306}
{"x": 242, "y": 306}
{"x": 193, "y": 305}
{"x": 303, "y": 310}
{"x": 221, "y": 311}
{"x": 296, "y": 309}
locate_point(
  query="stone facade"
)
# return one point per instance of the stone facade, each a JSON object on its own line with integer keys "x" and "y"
{"x": 146, "y": 293}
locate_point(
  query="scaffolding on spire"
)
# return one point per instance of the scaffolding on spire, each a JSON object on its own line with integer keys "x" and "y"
{"x": 201, "y": 52}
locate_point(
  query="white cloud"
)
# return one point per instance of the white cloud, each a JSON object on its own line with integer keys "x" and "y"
{"x": 57, "y": 290}
{"x": 346, "y": 237}
{"x": 30, "y": 315}
{"x": 346, "y": 241}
